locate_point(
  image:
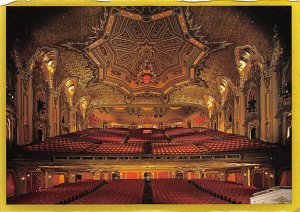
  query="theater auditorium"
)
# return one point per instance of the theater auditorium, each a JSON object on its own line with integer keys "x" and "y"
{"x": 148, "y": 105}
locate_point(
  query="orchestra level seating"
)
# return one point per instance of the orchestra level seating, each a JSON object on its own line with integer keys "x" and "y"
{"x": 229, "y": 191}
{"x": 174, "y": 191}
{"x": 116, "y": 192}
{"x": 59, "y": 194}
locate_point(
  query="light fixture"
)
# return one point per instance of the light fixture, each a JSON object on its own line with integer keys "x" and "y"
{"x": 28, "y": 175}
{"x": 266, "y": 173}
{"x": 50, "y": 62}
{"x": 23, "y": 178}
{"x": 242, "y": 65}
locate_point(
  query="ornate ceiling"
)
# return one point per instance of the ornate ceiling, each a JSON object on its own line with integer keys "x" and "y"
{"x": 133, "y": 56}
{"x": 147, "y": 54}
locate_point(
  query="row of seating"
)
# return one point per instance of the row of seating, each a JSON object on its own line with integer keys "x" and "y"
{"x": 116, "y": 192}
{"x": 147, "y": 137}
{"x": 172, "y": 132}
{"x": 104, "y": 137}
{"x": 236, "y": 144}
{"x": 174, "y": 191}
{"x": 178, "y": 148}
{"x": 229, "y": 191}
{"x": 123, "y": 148}
{"x": 58, "y": 146}
{"x": 192, "y": 137}
{"x": 62, "y": 193}
{"x": 194, "y": 143}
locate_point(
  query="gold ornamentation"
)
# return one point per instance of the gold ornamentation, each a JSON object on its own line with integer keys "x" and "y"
{"x": 130, "y": 15}
{"x": 197, "y": 43}
{"x": 182, "y": 23}
{"x": 162, "y": 15}
{"x": 109, "y": 24}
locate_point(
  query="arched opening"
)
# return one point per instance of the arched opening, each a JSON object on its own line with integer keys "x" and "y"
{"x": 179, "y": 175}
{"x": 261, "y": 179}
{"x": 115, "y": 176}
{"x": 78, "y": 177}
{"x": 147, "y": 176}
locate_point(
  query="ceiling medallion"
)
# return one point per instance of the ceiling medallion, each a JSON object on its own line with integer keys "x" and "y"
{"x": 147, "y": 76}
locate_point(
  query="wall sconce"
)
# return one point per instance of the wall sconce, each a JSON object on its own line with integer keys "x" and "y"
{"x": 245, "y": 175}
{"x": 50, "y": 177}
{"x": 266, "y": 173}
{"x": 222, "y": 174}
{"x": 97, "y": 174}
{"x": 28, "y": 175}
{"x": 23, "y": 178}
{"x": 73, "y": 175}
{"x": 271, "y": 176}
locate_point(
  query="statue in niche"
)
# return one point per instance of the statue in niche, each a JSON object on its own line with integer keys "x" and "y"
{"x": 41, "y": 106}
{"x": 230, "y": 118}
{"x": 252, "y": 101}
{"x": 252, "y": 105}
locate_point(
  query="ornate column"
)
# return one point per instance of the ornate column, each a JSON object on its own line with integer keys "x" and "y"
{"x": 274, "y": 99}
{"x": 246, "y": 176}
{"x": 267, "y": 81}
{"x": 222, "y": 120}
{"x": 71, "y": 176}
{"x": 48, "y": 178}
{"x": 222, "y": 175}
{"x": 72, "y": 119}
{"x": 19, "y": 94}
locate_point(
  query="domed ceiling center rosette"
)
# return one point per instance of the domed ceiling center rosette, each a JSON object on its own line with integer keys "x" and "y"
{"x": 146, "y": 53}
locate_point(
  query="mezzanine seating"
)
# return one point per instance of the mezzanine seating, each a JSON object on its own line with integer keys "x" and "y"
{"x": 154, "y": 136}
{"x": 237, "y": 144}
{"x": 116, "y": 192}
{"x": 173, "y": 191}
{"x": 59, "y": 194}
{"x": 192, "y": 137}
{"x": 229, "y": 191}
{"x": 175, "y": 132}
{"x": 116, "y": 148}
{"x": 206, "y": 141}
{"x": 175, "y": 148}
{"x": 104, "y": 137}
{"x": 58, "y": 146}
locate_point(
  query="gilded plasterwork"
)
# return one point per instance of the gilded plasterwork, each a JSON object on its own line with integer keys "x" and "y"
{"x": 148, "y": 52}
{"x": 192, "y": 94}
{"x": 73, "y": 64}
{"x": 102, "y": 95}
{"x": 146, "y": 100}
